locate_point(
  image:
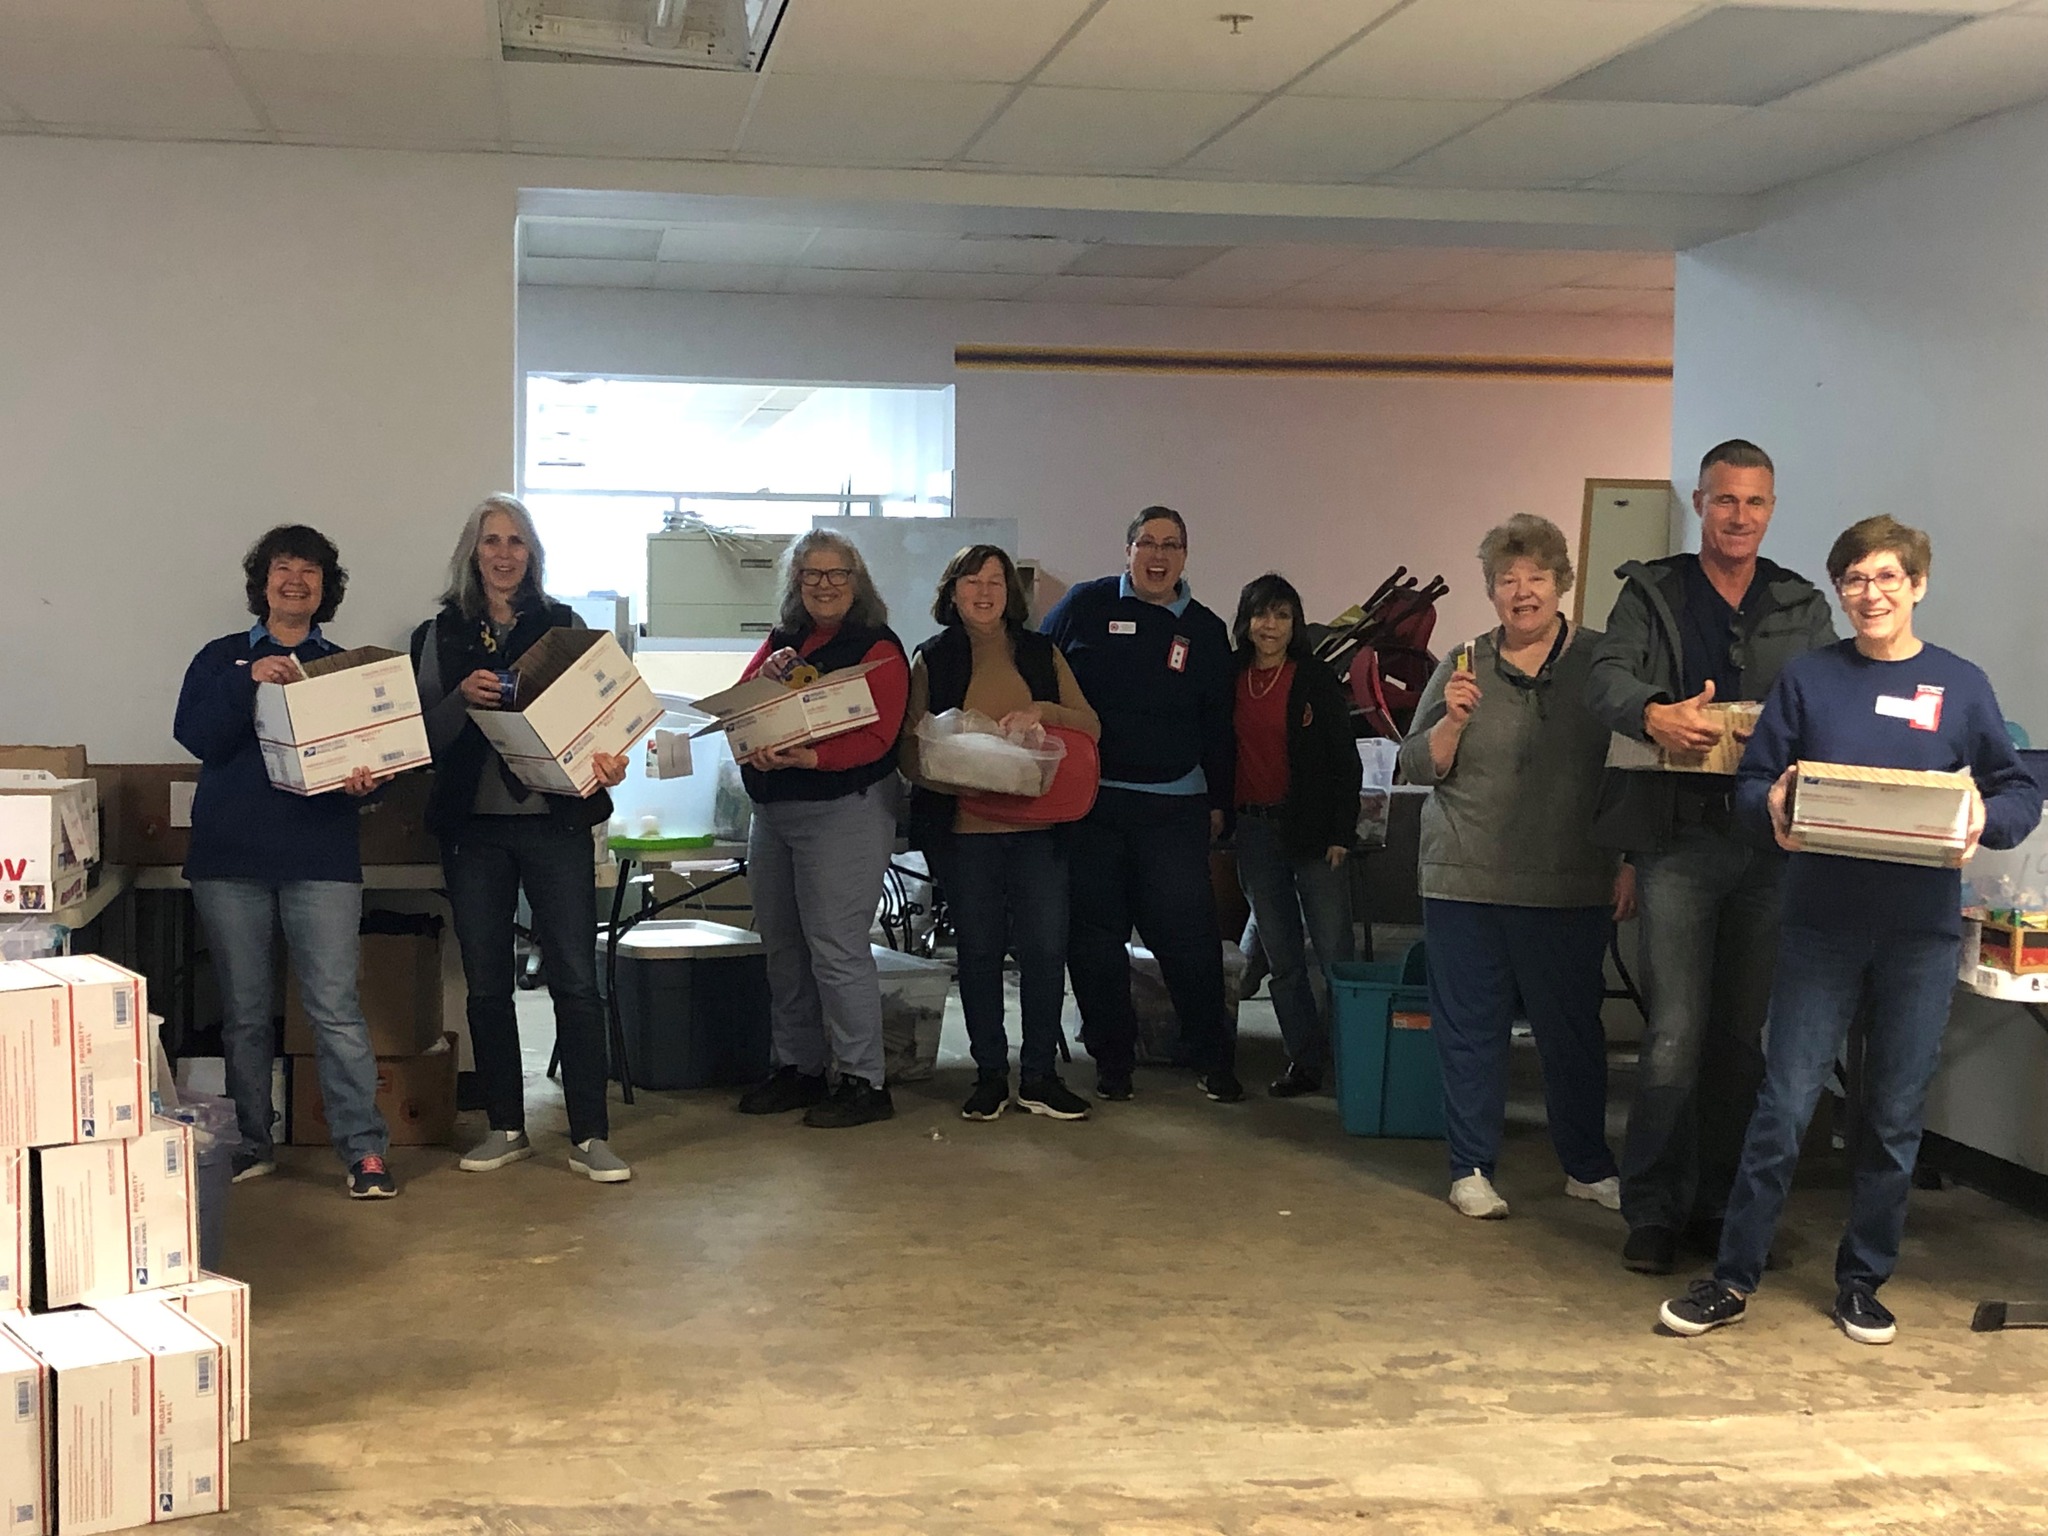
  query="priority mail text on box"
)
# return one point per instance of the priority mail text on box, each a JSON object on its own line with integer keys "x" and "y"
{"x": 1895, "y": 815}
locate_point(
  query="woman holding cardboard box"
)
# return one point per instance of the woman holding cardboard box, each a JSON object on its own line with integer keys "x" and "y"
{"x": 499, "y": 837}
{"x": 1518, "y": 902}
{"x": 262, "y": 858}
{"x": 824, "y": 828}
{"x": 1860, "y": 930}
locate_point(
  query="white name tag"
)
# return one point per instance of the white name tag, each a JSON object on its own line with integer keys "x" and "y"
{"x": 1922, "y": 711}
{"x": 1123, "y": 626}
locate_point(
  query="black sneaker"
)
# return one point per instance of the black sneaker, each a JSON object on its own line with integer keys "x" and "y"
{"x": 1863, "y": 1317}
{"x": 1113, "y": 1086}
{"x": 1294, "y": 1082}
{"x": 990, "y": 1098}
{"x": 784, "y": 1089}
{"x": 1650, "y": 1250}
{"x": 1051, "y": 1097}
{"x": 369, "y": 1179}
{"x": 1706, "y": 1305}
{"x": 1223, "y": 1087}
{"x": 853, "y": 1101}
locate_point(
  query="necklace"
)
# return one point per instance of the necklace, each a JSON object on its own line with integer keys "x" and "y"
{"x": 1251, "y": 682}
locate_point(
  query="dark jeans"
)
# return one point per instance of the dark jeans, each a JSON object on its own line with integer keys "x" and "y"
{"x": 1293, "y": 902}
{"x": 1482, "y": 959}
{"x": 1709, "y": 913}
{"x": 486, "y": 866}
{"x": 1822, "y": 977}
{"x": 1143, "y": 859}
{"x": 1007, "y": 891}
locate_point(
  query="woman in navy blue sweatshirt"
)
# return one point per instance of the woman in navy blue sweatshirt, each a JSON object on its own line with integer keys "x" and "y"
{"x": 261, "y": 857}
{"x": 1859, "y": 930}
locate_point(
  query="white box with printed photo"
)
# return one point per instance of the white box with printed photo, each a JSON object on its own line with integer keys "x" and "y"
{"x": 49, "y": 839}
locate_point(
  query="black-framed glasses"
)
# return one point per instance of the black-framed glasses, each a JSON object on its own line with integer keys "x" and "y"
{"x": 831, "y": 576}
{"x": 1160, "y": 546}
{"x": 1855, "y": 584}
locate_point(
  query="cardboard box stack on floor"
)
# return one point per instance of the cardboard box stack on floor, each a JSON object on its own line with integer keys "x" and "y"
{"x": 123, "y": 1362}
{"x": 399, "y": 987}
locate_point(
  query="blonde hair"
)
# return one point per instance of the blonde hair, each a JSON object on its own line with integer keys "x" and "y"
{"x": 465, "y": 591}
{"x": 1525, "y": 537}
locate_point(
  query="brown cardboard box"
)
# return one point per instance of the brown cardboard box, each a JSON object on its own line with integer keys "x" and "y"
{"x": 399, "y": 984}
{"x": 395, "y": 823}
{"x": 415, "y": 1093}
{"x": 64, "y": 762}
{"x": 1725, "y": 757}
{"x": 136, "y": 811}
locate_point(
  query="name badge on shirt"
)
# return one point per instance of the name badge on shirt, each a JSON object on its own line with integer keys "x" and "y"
{"x": 1177, "y": 656}
{"x": 1922, "y": 711}
{"x": 1123, "y": 626}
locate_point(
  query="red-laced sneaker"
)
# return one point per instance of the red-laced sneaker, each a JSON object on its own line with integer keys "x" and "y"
{"x": 369, "y": 1179}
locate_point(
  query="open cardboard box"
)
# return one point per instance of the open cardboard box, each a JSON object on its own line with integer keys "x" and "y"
{"x": 1724, "y": 757}
{"x": 762, "y": 714}
{"x": 358, "y": 709}
{"x": 1894, "y": 815}
{"x": 49, "y": 839}
{"x": 578, "y": 696}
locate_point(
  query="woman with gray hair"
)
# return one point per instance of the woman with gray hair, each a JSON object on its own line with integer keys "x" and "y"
{"x": 1518, "y": 903}
{"x": 499, "y": 837}
{"x": 824, "y": 828}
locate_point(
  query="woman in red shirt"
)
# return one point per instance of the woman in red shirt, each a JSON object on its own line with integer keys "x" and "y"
{"x": 1298, "y": 777}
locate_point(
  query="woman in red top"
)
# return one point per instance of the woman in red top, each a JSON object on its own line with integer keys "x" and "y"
{"x": 824, "y": 828}
{"x": 1298, "y": 776}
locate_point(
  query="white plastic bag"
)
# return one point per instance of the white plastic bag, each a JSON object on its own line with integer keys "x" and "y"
{"x": 966, "y": 750}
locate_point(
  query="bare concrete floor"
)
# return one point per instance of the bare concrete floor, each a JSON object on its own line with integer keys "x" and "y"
{"x": 1177, "y": 1317}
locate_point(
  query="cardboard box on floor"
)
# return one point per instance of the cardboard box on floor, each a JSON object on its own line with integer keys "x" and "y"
{"x": 24, "y": 1447}
{"x": 399, "y": 986}
{"x": 49, "y": 839}
{"x": 113, "y": 1217}
{"x": 415, "y": 1093}
{"x": 72, "y": 1063}
{"x": 221, "y": 1307}
{"x": 1724, "y": 757}
{"x": 357, "y": 709}
{"x": 97, "y": 1405}
{"x": 762, "y": 713}
{"x": 189, "y": 1428}
{"x": 578, "y": 696}
{"x": 1894, "y": 815}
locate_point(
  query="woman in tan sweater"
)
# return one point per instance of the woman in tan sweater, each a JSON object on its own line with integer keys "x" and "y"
{"x": 1006, "y": 887}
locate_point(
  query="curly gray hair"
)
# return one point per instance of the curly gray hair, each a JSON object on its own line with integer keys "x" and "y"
{"x": 1523, "y": 537}
{"x": 867, "y": 609}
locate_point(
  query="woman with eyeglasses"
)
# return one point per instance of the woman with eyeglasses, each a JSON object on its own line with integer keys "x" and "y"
{"x": 824, "y": 829}
{"x": 1518, "y": 903}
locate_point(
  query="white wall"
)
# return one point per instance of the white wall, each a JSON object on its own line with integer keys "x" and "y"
{"x": 199, "y": 342}
{"x": 1333, "y": 480}
{"x": 1886, "y": 339}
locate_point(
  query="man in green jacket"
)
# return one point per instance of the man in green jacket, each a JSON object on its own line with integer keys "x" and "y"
{"x": 1686, "y": 632}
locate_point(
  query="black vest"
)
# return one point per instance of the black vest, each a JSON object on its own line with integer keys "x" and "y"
{"x": 848, "y": 648}
{"x": 948, "y": 659}
{"x": 459, "y": 651}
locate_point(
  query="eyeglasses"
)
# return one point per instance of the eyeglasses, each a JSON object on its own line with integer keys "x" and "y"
{"x": 1160, "y": 547}
{"x": 831, "y": 576}
{"x": 1855, "y": 584}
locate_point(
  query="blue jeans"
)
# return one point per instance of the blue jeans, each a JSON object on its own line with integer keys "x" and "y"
{"x": 1143, "y": 859}
{"x": 1823, "y": 976}
{"x": 321, "y": 920}
{"x": 1483, "y": 959}
{"x": 1008, "y": 891}
{"x": 1295, "y": 901}
{"x": 1708, "y": 906}
{"x": 486, "y": 865}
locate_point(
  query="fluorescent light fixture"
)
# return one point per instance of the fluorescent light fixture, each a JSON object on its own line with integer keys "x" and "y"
{"x": 689, "y": 34}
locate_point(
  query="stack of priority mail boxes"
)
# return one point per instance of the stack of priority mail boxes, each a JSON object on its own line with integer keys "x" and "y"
{"x": 123, "y": 1366}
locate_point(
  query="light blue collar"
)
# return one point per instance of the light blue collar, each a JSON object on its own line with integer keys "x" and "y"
{"x": 1177, "y": 607}
{"x": 259, "y": 632}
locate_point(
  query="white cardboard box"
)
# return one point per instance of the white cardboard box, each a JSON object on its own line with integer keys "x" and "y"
{"x": 24, "y": 1443}
{"x": 108, "y": 1062}
{"x": 37, "y": 1104}
{"x": 96, "y": 1404}
{"x": 221, "y": 1307}
{"x": 1895, "y": 815}
{"x": 14, "y": 1222}
{"x": 189, "y": 1430}
{"x": 163, "y": 1207}
{"x": 578, "y": 696}
{"x": 49, "y": 837}
{"x": 762, "y": 713}
{"x": 113, "y": 1217}
{"x": 357, "y": 709}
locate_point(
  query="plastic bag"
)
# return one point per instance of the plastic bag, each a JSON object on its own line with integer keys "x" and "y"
{"x": 732, "y": 810}
{"x": 966, "y": 750}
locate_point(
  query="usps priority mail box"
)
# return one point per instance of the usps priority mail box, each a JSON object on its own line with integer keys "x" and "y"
{"x": 189, "y": 1428}
{"x": 36, "y": 1091}
{"x": 221, "y": 1306}
{"x": 761, "y": 714}
{"x": 578, "y": 696}
{"x": 24, "y": 1444}
{"x": 356, "y": 709}
{"x": 108, "y": 1063}
{"x": 163, "y": 1207}
{"x": 14, "y": 1206}
{"x": 49, "y": 840}
{"x": 97, "y": 1403}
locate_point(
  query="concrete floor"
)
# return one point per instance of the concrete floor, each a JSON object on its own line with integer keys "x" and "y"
{"x": 1178, "y": 1317}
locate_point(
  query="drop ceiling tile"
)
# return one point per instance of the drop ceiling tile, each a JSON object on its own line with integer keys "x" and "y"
{"x": 968, "y": 285}
{"x": 1183, "y": 45}
{"x": 1168, "y": 261}
{"x": 1054, "y": 128}
{"x": 1482, "y": 50}
{"x": 1769, "y": 147}
{"x": 1251, "y": 270}
{"x": 102, "y": 23}
{"x": 1333, "y": 295}
{"x": 607, "y": 109}
{"x": 347, "y": 99}
{"x": 584, "y": 272}
{"x": 1925, "y": 7}
{"x": 920, "y": 39}
{"x": 1558, "y": 143}
{"x": 1330, "y": 139}
{"x": 1392, "y": 270}
{"x": 1096, "y": 290}
{"x": 162, "y": 90}
{"x": 873, "y": 285}
{"x": 716, "y": 277}
{"x": 1985, "y": 66}
{"x": 593, "y": 239}
{"x": 822, "y": 120}
{"x": 741, "y": 244}
{"x": 444, "y": 29}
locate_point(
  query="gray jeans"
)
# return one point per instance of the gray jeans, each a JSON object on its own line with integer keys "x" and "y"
{"x": 816, "y": 871}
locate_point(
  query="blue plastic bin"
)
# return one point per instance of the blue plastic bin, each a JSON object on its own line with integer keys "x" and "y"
{"x": 1389, "y": 1082}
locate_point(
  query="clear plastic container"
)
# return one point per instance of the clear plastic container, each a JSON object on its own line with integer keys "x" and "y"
{"x": 31, "y": 938}
{"x": 652, "y": 815}
{"x": 966, "y": 750}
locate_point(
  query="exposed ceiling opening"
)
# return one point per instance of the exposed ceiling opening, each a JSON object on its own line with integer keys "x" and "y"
{"x": 731, "y": 35}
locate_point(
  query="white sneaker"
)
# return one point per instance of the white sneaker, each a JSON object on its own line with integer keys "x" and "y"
{"x": 495, "y": 1151}
{"x": 1605, "y": 1191}
{"x": 1475, "y": 1196}
{"x": 598, "y": 1162}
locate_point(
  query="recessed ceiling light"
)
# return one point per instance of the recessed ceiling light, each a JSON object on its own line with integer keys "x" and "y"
{"x": 687, "y": 34}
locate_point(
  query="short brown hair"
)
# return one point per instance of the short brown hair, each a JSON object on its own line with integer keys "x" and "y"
{"x": 1883, "y": 534}
{"x": 1737, "y": 453}
{"x": 1155, "y": 515}
{"x": 1016, "y": 612}
{"x": 1523, "y": 537}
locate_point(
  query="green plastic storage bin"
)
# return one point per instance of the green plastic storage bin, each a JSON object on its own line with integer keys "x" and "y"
{"x": 1389, "y": 1082}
